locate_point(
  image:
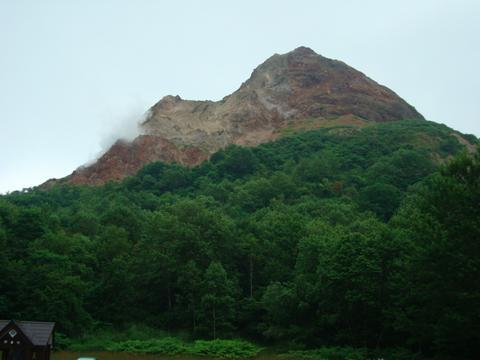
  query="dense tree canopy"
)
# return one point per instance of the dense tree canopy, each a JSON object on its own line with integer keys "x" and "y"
{"x": 339, "y": 236}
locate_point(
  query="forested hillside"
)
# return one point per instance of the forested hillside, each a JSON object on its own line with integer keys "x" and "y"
{"x": 366, "y": 237}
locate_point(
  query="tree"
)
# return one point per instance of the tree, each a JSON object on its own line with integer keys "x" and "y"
{"x": 55, "y": 291}
{"x": 189, "y": 284}
{"x": 236, "y": 161}
{"x": 5, "y": 279}
{"x": 113, "y": 277}
{"x": 342, "y": 276}
{"x": 440, "y": 310}
{"x": 218, "y": 300}
{"x": 382, "y": 199}
{"x": 402, "y": 168}
{"x": 154, "y": 267}
{"x": 280, "y": 303}
{"x": 278, "y": 230}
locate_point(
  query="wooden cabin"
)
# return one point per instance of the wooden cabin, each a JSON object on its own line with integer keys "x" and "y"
{"x": 26, "y": 340}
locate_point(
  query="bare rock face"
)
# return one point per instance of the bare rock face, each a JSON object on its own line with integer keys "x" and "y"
{"x": 285, "y": 91}
{"x": 126, "y": 158}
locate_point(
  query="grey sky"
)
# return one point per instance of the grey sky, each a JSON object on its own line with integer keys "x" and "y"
{"x": 76, "y": 74}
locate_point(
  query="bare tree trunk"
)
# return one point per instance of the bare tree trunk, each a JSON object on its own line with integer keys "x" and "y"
{"x": 169, "y": 297}
{"x": 214, "y": 323}
{"x": 193, "y": 319}
{"x": 251, "y": 276}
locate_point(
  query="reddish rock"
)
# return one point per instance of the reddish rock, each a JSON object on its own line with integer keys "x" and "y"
{"x": 126, "y": 158}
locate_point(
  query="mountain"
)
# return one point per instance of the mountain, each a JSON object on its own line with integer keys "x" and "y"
{"x": 298, "y": 90}
{"x": 307, "y": 241}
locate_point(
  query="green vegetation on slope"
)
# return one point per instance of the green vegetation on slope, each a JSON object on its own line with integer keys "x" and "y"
{"x": 335, "y": 237}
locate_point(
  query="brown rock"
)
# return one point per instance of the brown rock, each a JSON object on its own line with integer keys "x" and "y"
{"x": 126, "y": 158}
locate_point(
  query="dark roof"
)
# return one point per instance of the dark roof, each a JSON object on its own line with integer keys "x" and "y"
{"x": 38, "y": 332}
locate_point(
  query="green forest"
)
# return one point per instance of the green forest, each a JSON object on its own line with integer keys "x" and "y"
{"x": 345, "y": 237}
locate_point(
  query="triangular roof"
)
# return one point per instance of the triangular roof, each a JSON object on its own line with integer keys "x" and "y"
{"x": 38, "y": 332}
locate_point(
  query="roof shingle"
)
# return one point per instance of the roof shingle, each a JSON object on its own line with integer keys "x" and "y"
{"x": 38, "y": 332}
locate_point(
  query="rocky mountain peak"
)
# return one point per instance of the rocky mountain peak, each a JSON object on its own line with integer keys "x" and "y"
{"x": 288, "y": 90}
{"x": 303, "y": 51}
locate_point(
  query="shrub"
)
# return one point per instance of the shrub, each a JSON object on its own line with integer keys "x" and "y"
{"x": 168, "y": 346}
{"x": 228, "y": 349}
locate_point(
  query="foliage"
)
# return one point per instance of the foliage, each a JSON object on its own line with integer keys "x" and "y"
{"x": 228, "y": 349}
{"x": 168, "y": 346}
{"x": 106, "y": 337}
{"x": 442, "y": 221}
{"x": 327, "y": 239}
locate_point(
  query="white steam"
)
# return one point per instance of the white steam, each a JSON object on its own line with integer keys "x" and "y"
{"x": 116, "y": 126}
{"x": 124, "y": 128}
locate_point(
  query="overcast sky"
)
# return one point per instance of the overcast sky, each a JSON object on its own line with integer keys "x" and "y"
{"x": 74, "y": 75}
